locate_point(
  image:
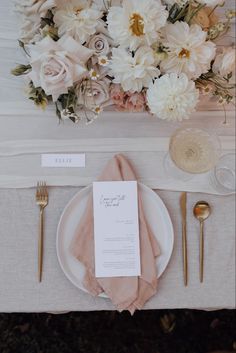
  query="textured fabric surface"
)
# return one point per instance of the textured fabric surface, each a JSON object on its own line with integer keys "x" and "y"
{"x": 20, "y": 291}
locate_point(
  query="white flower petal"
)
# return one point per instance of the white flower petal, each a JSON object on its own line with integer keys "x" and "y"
{"x": 134, "y": 72}
{"x": 188, "y": 50}
{"x": 76, "y": 18}
{"x": 136, "y": 23}
{"x": 172, "y": 97}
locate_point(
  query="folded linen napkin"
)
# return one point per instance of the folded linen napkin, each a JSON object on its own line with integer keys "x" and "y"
{"x": 126, "y": 293}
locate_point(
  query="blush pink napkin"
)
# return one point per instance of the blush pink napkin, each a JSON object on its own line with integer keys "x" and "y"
{"x": 126, "y": 293}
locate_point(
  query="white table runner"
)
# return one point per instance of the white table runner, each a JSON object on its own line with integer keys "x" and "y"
{"x": 20, "y": 162}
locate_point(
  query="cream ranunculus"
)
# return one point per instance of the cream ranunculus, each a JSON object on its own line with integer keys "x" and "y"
{"x": 94, "y": 94}
{"x": 224, "y": 63}
{"x": 136, "y": 23}
{"x": 188, "y": 50}
{"x": 172, "y": 97}
{"x": 76, "y": 18}
{"x": 56, "y": 66}
{"x": 134, "y": 72}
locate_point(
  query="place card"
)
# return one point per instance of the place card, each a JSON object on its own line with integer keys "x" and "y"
{"x": 116, "y": 229}
{"x": 57, "y": 160}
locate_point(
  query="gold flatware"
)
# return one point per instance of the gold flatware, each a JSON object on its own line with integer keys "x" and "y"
{"x": 201, "y": 211}
{"x": 42, "y": 201}
{"x": 183, "y": 202}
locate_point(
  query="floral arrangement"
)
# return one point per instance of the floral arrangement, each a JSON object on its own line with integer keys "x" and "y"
{"x": 137, "y": 55}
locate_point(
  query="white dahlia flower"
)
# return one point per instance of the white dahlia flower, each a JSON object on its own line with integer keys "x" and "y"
{"x": 172, "y": 97}
{"x": 76, "y": 18}
{"x": 188, "y": 50}
{"x": 134, "y": 72}
{"x": 137, "y": 22}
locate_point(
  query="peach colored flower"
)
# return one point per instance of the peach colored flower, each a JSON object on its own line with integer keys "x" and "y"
{"x": 117, "y": 94}
{"x": 135, "y": 103}
{"x": 127, "y": 101}
{"x": 205, "y": 18}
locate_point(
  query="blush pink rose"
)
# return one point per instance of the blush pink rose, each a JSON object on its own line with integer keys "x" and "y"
{"x": 117, "y": 94}
{"x": 127, "y": 101}
{"x": 135, "y": 103}
{"x": 56, "y": 66}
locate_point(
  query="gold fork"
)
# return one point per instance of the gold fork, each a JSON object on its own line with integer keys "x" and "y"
{"x": 42, "y": 201}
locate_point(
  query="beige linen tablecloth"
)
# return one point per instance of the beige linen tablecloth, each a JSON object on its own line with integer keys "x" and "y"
{"x": 20, "y": 291}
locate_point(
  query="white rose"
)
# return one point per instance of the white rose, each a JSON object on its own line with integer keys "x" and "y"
{"x": 56, "y": 66}
{"x": 92, "y": 94}
{"x": 224, "y": 62}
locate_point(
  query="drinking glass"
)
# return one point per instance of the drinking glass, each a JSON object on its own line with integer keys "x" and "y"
{"x": 192, "y": 151}
{"x": 223, "y": 176}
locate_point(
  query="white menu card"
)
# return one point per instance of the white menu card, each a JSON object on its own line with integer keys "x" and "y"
{"x": 116, "y": 229}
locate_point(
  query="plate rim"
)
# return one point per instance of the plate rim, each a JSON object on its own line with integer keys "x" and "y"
{"x": 83, "y": 190}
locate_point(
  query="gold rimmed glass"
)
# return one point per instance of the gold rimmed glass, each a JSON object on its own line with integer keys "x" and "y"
{"x": 192, "y": 151}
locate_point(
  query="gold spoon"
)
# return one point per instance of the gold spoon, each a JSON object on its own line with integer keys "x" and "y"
{"x": 201, "y": 211}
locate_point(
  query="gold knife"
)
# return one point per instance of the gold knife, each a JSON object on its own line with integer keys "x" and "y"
{"x": 183, "y": 201}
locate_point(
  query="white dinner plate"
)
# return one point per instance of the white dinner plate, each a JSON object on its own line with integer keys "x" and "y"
{"x": 156, "y": 215}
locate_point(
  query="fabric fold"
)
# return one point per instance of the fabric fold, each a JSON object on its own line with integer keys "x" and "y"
{"x": 126, "y": 293}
